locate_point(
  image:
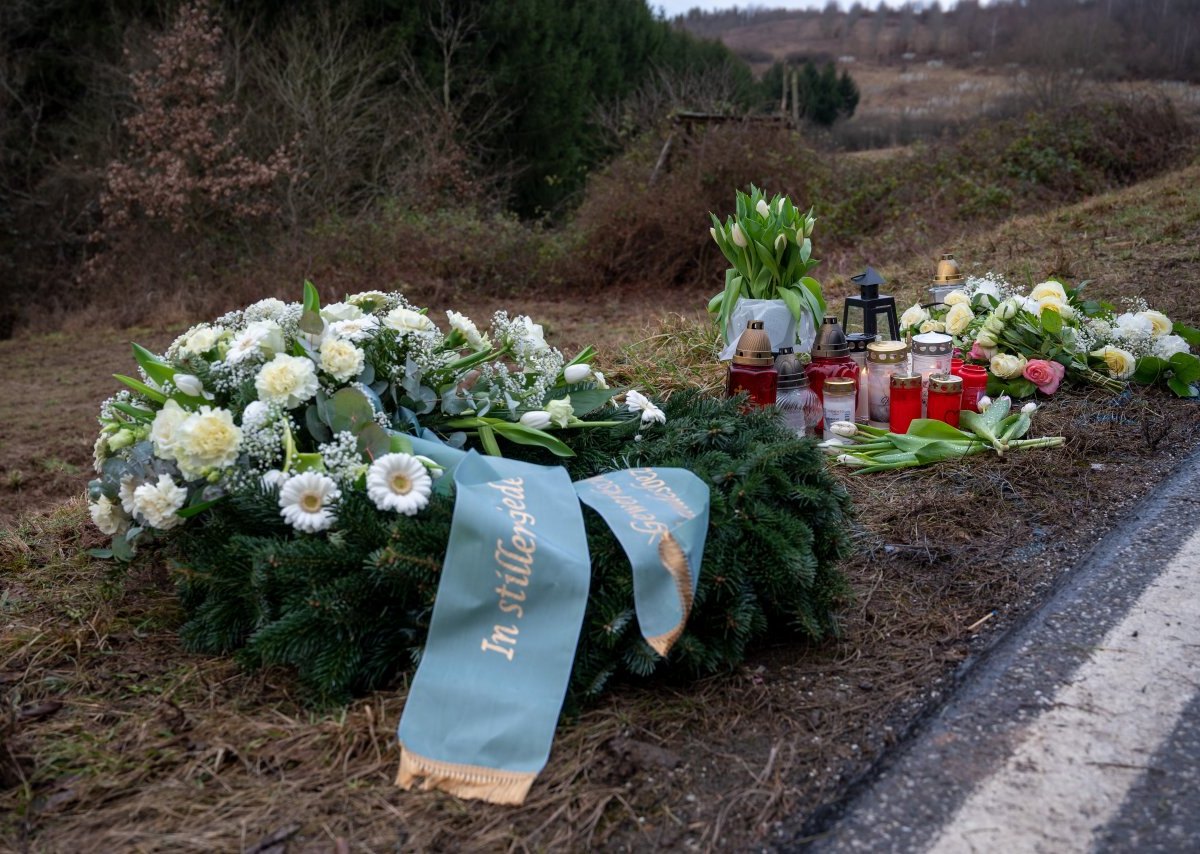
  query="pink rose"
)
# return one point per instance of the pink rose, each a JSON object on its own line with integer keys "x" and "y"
{"x": 981, "y": 354}
{"x": 1047, "y": 376}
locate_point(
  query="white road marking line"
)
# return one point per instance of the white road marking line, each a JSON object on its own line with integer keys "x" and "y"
{"x": 1069, "y": 776}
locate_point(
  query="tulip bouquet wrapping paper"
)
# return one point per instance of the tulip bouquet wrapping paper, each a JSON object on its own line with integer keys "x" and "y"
{"x": 1031, "y": 343}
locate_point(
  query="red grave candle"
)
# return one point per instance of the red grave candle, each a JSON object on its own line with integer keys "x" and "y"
{"x": 945, "y": 398}
{"x": 974, "y": 385}
{"x": 753, "y": 369}
{"x": 905, "y": 402}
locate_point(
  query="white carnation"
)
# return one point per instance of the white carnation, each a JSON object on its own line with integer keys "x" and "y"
{"x": 200, "y": 339}
{"x": 261, "y": 338}
{"x": 287, "y": 380}
{"x": 163, "y": 430}
{"x": 469, "y": 330}
{"x": 357, "y": 329}
{"x": 157, "y": 503}
{"x": 341, "y": 311}
{"x": 108, "y": 516}
{"x": 206, "y": 440}
{"x": 1168, "y": 345}
{"x": 341, "y": 359}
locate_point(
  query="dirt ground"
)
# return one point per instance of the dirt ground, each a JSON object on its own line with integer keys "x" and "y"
{"x": 114, "y": 738}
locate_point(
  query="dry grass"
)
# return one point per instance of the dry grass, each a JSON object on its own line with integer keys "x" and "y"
{"x": 115, "y": 738}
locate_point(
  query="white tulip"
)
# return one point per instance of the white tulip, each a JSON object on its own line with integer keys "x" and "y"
{"x": 843, "y": 428}
{"x": 538, "y": 419}
{"x": 984, "y": 403}
{"x": 847, "y": 460}
{"x": 780, "y": 242}
{"x": 763, "y": 208}
{"x": 1029, "y": 408}
{"x": 739, "y": 237}
{"x": 189, "y": 385}
{"x": 713, "y": 232}
{"x": 576, "y": 373}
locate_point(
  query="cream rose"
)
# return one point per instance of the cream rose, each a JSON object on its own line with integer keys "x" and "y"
{"x": 163, "y": 430}
{"x": 959, "y": 317}
{"x": 560, "y": 411}
{"x": 1007, "y": 367}
{"x": 1048, "y": 289}
{"x": 341, "y": 359}
{"x": 406, "y": 320}
{"x": 957, "y": 298}
{"x": 913, "y": 316}
{"x": 933, "y": 326}
{"x": 1160, "y": 324}
{"x": 1120, "y": 363}
{"x": 287, "y": 380}
{"x": 208, "y": 439}
{"x": 341, "y": 311}
{"x": 1054, "y": 304}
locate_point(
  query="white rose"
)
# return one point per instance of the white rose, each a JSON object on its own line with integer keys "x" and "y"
{"x": 1137, "y": 324}
{"x": 1049, "y": 289}
{"x": 576, "y": 373}
{"x": 208, "y": 439}
{"x": 406, "y": 320}
{"x": 1007, "y": 367}
{"x": 959, "y": 317}
{"x": 158, "y": 502}
{"x": 1160, "y": 324}
{"x": 985, "y": 288}
{"x": 1007, "y": 310}
{"x": 1051, "y": 303}
{"x": 957, "y": 298}
{"x": 341, "y": 359}
{"x": 1168, "y": 345}
{"x": 913, "y": 316}
{"x": 538, "y": 419}
{"x": 1120, "y": 363}
{"x": 163, "y": 429}
{"x": 341, "y": 311}
{"x": 560, "y": 411}
{"x": 108, "y": 516}
{"x": 933, "y": 326}
{"x": 287, "y": 380}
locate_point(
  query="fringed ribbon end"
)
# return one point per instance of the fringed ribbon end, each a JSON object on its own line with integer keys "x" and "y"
{"x": 464, "y": 781}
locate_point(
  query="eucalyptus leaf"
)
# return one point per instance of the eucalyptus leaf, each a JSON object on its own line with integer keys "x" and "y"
{"x": 374, "y": 441}
{"x": 316, "y": 427}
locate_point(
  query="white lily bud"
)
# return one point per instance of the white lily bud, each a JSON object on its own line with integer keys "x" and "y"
{"x": 189, "y": 385}
{"x": 780, "y": 242}
{"x": 843, "y": 428}
{"x": 1029, "y": 408}
{"x": 576, "y": 373}
{"x": 763, "y": 208}
{"x": 538, "y": 419}
{"x": 984, "y": 403}
{"x": 739, "y": 237}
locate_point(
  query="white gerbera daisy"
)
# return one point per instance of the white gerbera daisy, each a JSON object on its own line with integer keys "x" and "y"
{"x": 304, "y": 501}
{"x": 638, "y": 402}
{"x": 399, "y": 482}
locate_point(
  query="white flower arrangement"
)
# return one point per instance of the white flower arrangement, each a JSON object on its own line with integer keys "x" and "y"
{"x": 303, "y": 405}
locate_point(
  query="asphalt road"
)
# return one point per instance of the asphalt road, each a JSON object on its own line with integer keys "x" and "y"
{"x": 1080, "y": 731}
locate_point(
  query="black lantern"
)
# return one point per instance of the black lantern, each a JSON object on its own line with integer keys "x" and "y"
{"x": 863, "y": 313}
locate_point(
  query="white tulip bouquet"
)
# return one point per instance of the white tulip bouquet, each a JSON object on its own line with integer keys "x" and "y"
{"x": 769, "y": 244}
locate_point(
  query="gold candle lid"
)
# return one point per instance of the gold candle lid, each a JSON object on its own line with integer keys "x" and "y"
{"x": 839, "y": 385}
{"x": 948, "y": 272}
{"x": 945, "y": 383}
{"x": 908, "y": 381}
{"x": 887, "y": 352}
{"x": 754, "y": 346}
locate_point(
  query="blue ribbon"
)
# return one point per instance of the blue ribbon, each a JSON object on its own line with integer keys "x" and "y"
{"x": 483, "y": 705}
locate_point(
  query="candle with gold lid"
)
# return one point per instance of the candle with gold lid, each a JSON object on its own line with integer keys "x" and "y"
{"x": 753, "y": 368}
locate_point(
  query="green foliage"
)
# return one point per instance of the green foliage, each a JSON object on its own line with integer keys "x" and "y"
{"x": 350, "y": 612}
{"x": 823, "y": 96}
